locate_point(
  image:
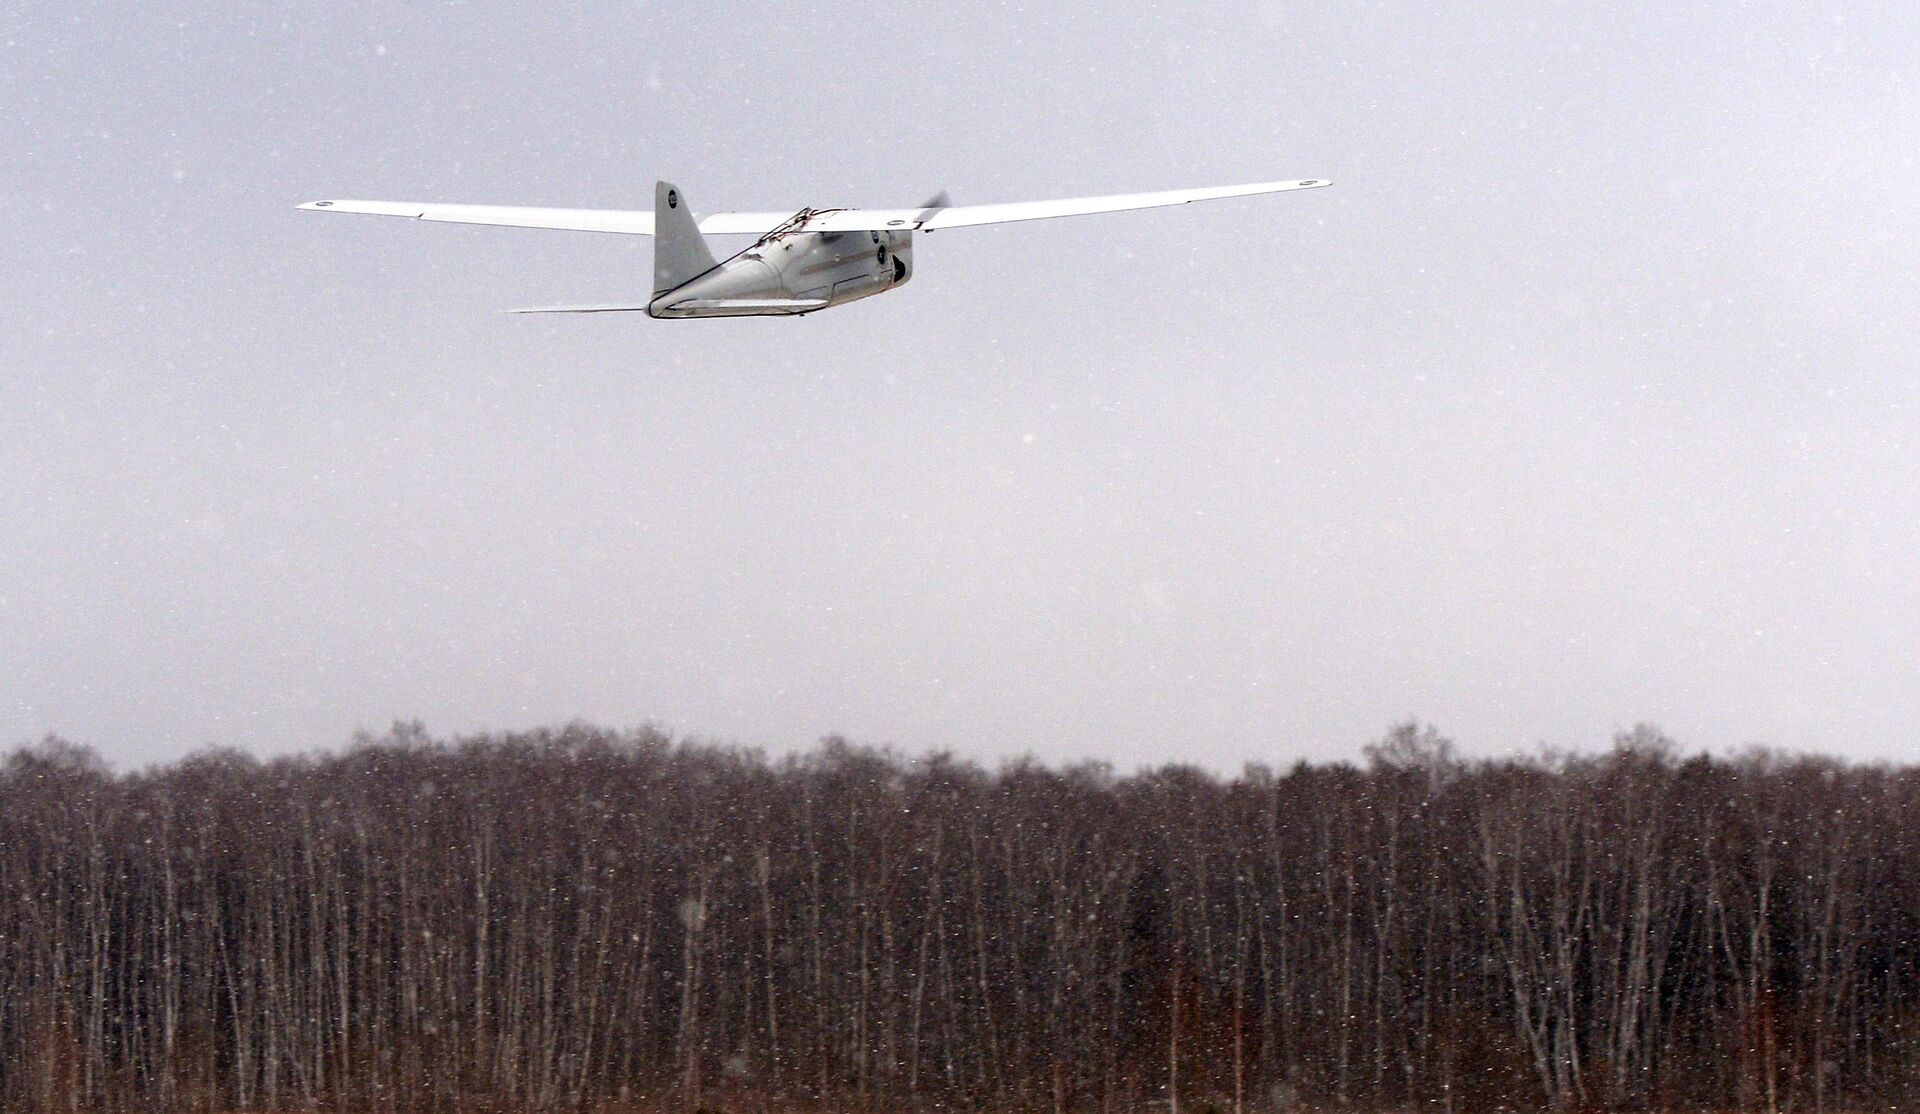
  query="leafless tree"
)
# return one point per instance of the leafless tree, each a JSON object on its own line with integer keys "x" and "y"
{"x": 581, "y": 919}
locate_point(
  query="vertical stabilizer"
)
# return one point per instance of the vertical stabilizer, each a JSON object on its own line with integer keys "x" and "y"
{"x": 680, "y": 253}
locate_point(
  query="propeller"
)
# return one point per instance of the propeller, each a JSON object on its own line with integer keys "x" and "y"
{"x": 933, "y": 205}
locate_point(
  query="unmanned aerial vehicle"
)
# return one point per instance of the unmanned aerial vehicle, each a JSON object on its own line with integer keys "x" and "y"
{"x": 798, "y": 263}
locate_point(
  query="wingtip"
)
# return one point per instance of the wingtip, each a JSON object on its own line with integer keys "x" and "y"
{"x": 314, "y": 205}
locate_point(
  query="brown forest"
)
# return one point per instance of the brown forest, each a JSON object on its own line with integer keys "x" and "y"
{"x": 586, "y": 919}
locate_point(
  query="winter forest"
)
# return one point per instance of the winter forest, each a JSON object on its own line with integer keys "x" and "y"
{"x": 592, "y": 920}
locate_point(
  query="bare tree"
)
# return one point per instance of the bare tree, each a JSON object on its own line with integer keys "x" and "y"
{"x": 574, "y": 918}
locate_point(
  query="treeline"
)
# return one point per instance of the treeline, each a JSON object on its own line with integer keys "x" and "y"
{"x": 589, "y": 919}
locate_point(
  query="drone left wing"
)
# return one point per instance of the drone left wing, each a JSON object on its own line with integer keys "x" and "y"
{"x": 630, "y": 222}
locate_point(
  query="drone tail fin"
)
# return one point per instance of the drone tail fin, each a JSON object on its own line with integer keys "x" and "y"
{"x": 680, "y": 252}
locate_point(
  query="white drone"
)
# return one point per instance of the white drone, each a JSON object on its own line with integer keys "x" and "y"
{"x": 801, "y": 262}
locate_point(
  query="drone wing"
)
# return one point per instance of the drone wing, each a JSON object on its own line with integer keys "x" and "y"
{"x": 933, "y": 215}
{"x": 630, "y": 222}
{"x": 961, "y": 216}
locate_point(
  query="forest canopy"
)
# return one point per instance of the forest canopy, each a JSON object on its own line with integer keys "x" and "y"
{"x": 583, "y": 918}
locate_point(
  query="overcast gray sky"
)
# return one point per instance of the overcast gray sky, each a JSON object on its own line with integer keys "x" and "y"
{"x": 1586, "y": 396}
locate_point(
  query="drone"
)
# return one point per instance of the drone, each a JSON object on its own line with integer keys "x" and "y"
{"x": 799, "y": 262}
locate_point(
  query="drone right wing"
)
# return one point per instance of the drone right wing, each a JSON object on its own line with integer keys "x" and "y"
{"x": 936, "y": 216}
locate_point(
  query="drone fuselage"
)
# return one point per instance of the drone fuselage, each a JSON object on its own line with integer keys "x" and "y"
{"x": 790, "y": 273}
